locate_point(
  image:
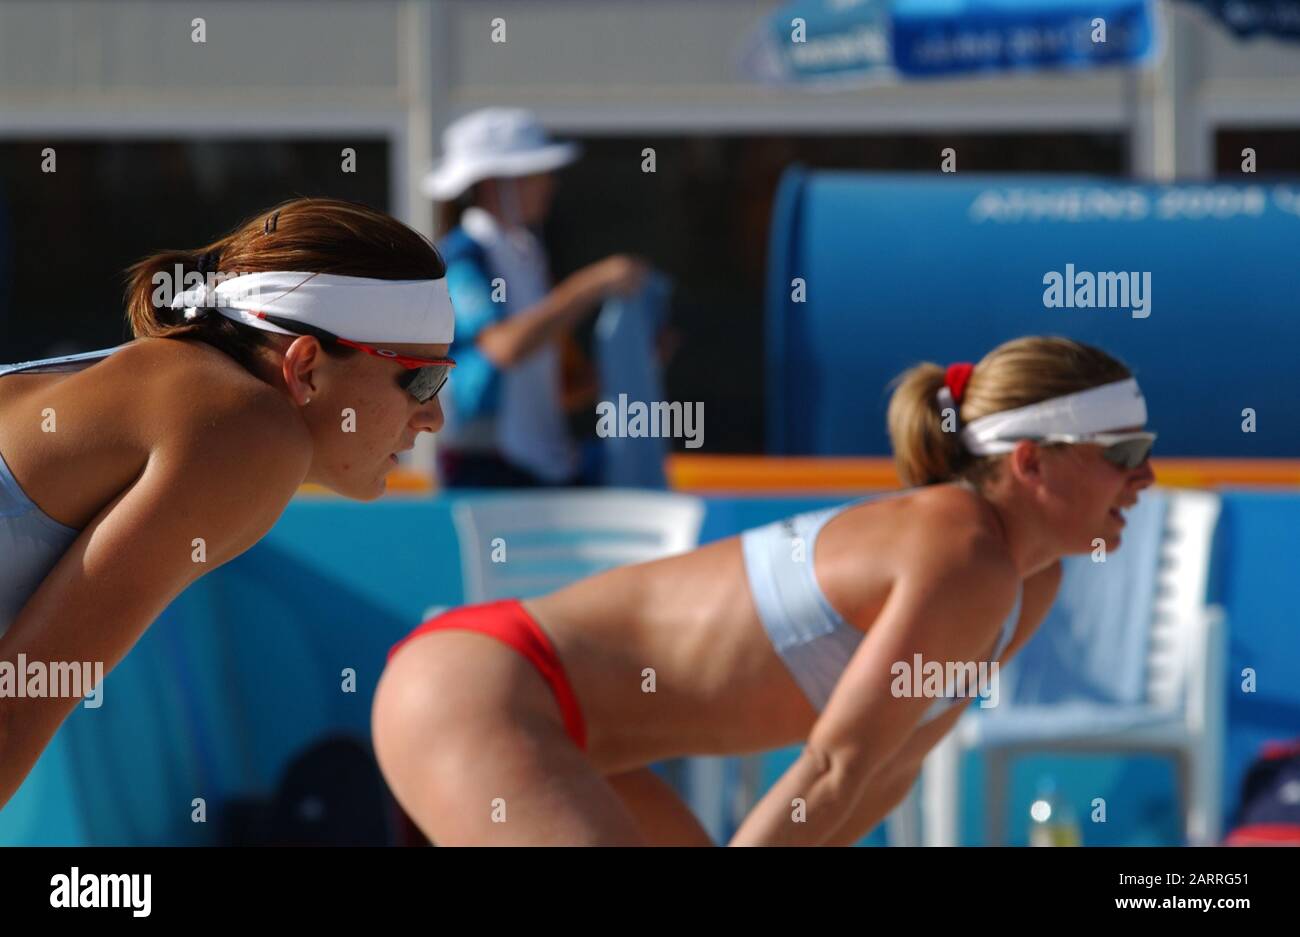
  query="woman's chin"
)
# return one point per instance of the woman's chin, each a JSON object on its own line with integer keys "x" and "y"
{"x": 1104, "y": 541}
{"x": 356, "y": 489}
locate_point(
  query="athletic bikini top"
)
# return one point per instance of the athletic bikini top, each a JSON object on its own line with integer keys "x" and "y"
{"x": 811, "y": 637}
{"x": 31, "y": 542}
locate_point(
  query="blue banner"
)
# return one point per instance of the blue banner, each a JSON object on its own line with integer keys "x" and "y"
{"x": 829, "y": 41}
{"x": 1249, "y": 18}
{"x": 819, "y": 41}
{"x": 946, "y": 37}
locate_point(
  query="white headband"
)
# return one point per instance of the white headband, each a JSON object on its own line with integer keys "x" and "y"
{"x": 1096, "y": 410}
{"x": 416, "y": 312}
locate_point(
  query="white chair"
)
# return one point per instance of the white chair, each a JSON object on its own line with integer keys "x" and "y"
{"x": 1178, "y": 662}
{"x": 523, "y": 544}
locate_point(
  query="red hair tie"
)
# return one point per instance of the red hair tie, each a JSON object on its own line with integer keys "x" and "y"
{"x": 956, "y": 378}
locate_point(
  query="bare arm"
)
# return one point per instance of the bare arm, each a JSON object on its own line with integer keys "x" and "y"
{"x": 895, "y": 780}
{"x": 947, "y": 610}
{"x": 903, "y": 770}
{"x": 225, "y": 483}
{"x": 508, "y": 342}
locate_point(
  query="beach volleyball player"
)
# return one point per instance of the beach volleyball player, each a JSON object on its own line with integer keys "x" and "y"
{"x": 129, "y": 473}
{"x": 529, "y": 722}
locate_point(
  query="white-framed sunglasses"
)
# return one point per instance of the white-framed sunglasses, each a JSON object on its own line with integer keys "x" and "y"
{"x": 1125, "y": 450}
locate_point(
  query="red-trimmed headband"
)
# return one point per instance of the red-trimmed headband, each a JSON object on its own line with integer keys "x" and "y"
{"x": 955, "y": 379}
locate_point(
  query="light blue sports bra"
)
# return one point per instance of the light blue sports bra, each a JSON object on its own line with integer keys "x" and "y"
{"x": 812, "y": 638}
{"x": 31, "y": 541}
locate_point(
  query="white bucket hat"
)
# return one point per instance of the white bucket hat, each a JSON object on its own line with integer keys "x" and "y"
{"x": 495, "y": 142}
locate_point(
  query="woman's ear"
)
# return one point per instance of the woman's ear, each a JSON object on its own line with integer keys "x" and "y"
{"x": 298, "y": 368}
{"x": 1025, "y": 462}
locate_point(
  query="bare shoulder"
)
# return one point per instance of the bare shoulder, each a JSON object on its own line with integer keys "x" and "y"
{"x": 953, "y": 532}
{"x": 207, "y": 413}
{"x": 198, "y": 389}
{"x": 946, "y": 559}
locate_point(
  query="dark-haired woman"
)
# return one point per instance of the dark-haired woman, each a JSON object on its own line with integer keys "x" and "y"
{"x": 306, "y": 346}
{"x": 531, "y": 723}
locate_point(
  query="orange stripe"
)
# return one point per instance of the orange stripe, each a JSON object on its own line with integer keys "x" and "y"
{"x": 704, "y": 474}
{"x": 750, "y": 474}
{"x": 400, "y": 482}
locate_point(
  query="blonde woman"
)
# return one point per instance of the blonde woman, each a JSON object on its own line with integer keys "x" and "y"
{"x": 526, "y": 722}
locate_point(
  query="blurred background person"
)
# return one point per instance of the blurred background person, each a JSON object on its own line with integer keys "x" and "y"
{"x": 506, "y": 423}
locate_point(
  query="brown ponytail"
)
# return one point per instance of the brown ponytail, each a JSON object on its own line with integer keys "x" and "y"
{"x": 1015, "y": 374}
{"x": 311, "y": 235}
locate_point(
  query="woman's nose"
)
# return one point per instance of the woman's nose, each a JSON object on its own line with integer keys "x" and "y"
{"x": 429, "y": 419}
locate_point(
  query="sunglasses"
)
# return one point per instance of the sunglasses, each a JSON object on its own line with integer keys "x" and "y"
{"x": 423, "y": 378}
{"x": 1123, "y": 450}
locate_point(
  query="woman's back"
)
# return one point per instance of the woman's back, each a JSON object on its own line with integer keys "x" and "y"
{"x": 719, "y": 681}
